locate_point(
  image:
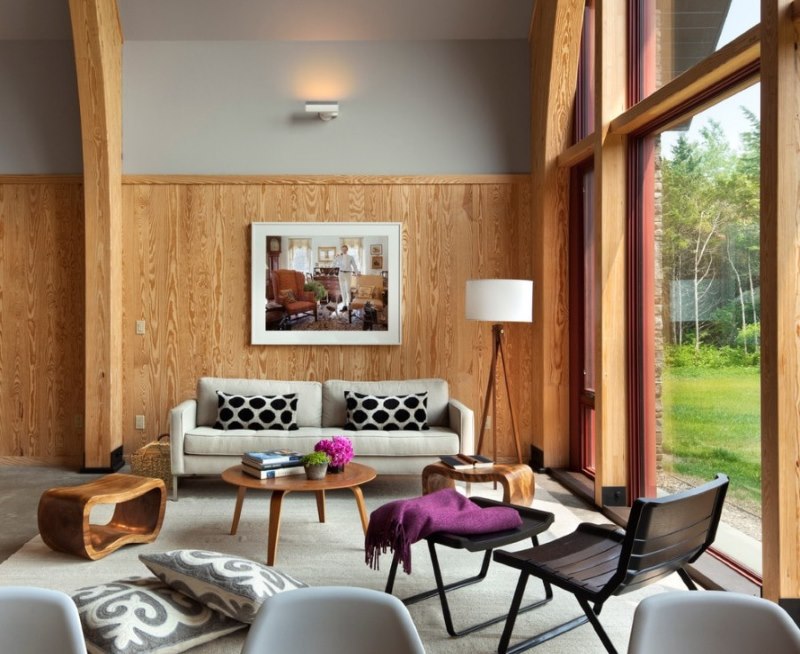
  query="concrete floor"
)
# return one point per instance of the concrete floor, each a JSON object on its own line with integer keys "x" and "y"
{"x": 20, "y": 490}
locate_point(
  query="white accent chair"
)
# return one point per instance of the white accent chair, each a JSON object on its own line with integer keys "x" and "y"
{"x": 711, "y": 622}
{"x": 335, "y": 620}
{"x": 39, "y": 621}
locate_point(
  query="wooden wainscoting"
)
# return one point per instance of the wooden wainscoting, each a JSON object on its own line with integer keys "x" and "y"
{"x": 41, "y": 320}
{"x": 186, "y": 257}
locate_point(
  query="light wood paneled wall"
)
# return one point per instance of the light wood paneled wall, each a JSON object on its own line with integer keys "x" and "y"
{"x": 41, "y": 321}
{"x": 186, "y": 272}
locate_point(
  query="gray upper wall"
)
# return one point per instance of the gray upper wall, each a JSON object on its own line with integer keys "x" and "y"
{"x": 39, "y": 114}
{"x": 426, "y": 107}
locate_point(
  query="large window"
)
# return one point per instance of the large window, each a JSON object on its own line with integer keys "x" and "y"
{"x": 674, "y": 35}
{"x": 583, "y": 239}
{"x": 701, "y": 282}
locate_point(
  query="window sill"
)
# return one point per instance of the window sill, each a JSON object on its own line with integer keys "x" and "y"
{"x": 708, "y": 571}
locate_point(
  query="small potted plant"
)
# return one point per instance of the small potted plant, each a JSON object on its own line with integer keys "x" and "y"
{"x": 316, "y": 465}
{"x": 339, "y": 449}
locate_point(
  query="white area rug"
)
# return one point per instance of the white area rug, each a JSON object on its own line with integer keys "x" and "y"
{"x": 333, "y": 554}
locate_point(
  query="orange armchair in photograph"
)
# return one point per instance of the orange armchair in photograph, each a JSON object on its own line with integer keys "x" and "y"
{"x": 368, "y": 288}
{"x": 287, "y": 289}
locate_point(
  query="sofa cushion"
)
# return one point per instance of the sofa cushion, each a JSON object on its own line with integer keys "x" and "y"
{"x": 256, "y": 411}
{"x": 375, "y": 442}
{"x": 309, "y": 397}
{"x": 235, "y": 442}
{"x": 334, "y": 408}
{"x": 386, "y": 412}
{"x": 215, "y": 442}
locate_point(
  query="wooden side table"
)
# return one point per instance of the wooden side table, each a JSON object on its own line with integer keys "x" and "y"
{"x": 515, "y": 478}
{"x": 64, "y": 515}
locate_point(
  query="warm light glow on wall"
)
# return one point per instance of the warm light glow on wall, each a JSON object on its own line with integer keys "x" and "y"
{"x": 319, "y": 77}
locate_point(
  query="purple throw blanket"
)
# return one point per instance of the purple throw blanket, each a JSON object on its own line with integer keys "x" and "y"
{"x": 399, "y": 524}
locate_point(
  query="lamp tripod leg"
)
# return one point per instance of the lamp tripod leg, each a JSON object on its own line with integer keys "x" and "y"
{"x": 514, "y": 428}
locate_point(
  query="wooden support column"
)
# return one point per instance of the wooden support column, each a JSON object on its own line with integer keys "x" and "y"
{"x": 780, "y": 304}
{"x": 98, "y": 56}
{"x": 555, "y": 45}
{"x": 611, "y": 402}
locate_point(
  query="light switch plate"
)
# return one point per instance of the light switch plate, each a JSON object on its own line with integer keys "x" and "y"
{"x": 140, "y": 422}
{"x": 140, "y": 327}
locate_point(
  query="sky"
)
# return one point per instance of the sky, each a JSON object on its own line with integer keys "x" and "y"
{"x": 743, "y": 14}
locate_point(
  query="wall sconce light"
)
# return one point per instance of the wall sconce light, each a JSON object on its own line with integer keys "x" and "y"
{"x": 326, "y": 109}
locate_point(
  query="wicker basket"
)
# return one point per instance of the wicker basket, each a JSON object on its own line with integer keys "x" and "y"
{"x": 153, "y": 460}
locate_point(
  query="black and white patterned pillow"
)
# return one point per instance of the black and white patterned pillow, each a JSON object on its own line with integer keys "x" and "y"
{"x": 386, "y": 412}
{"x": 234, "y": 586}
{"x": 256, "y": 411}
{"x": 138, "y": 615}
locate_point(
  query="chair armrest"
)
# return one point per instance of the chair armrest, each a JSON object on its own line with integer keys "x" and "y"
{"x": 181, "y": 419}
{"x": 462, "y": 421}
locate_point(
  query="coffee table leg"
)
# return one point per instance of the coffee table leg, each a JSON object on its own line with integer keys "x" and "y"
{"x": 275, "y": 504}
{"x": 362, "y": 509}
{"x": 238, "y": 510}
{"x": 321, "y": 505}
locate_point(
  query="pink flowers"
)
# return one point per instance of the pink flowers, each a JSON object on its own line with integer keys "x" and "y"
{"x": 339, "y": 448}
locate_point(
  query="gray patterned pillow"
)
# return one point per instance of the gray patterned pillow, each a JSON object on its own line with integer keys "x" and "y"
{"x": 135, "y": 615}
{"x": 234, "y": 586}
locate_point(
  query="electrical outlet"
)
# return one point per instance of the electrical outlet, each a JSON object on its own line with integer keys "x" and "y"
{"x": 140, "y": 327}
{"x": 140, "y": 422}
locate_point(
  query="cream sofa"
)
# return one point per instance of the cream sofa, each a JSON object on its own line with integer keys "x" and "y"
{"x": 197, "y": 448}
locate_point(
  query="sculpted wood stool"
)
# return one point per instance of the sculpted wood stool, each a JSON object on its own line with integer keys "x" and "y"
{"x": 515, "y": 478}
{"x": 64, "y": 515}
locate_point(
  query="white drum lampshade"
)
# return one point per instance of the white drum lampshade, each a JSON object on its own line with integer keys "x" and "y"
{"x": 500, "y": 300}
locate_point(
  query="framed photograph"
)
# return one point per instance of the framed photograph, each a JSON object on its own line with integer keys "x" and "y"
{"x": 309, "y": 306}
{"x": 326, "y": 254}
{"x": 376, "y": 249}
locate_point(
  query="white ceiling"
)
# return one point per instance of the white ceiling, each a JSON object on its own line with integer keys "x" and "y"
{"x": 283, "y": 20}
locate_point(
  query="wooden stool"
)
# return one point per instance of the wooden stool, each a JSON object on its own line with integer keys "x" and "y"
{"x": 515, "y": 478}
{"x": 138, "y": 514}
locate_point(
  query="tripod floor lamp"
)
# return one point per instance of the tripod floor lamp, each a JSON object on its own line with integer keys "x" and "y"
{"x": 499, "y": 301}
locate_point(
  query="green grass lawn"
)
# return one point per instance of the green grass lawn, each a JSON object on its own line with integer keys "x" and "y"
{"x": 712, "y": 423}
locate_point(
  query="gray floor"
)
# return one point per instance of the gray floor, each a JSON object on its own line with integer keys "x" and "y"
{"x": 20, "y": 490}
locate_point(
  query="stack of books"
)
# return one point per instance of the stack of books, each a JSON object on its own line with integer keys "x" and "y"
{"x": 272, "y": 463}
{"x": 467, "y": 461}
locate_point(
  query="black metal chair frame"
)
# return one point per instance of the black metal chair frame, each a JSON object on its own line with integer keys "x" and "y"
{"x": 597, "y": 561}
{"x": 533, "y": 523}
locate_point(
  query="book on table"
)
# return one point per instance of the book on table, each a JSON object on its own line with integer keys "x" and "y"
{"x": 272, "y": 458}
{"x": 271, "y": 466}
{"x": 258, "y": 473}
{"x": 466, "y": 461}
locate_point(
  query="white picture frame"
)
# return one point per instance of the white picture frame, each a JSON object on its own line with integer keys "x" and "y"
{"x": 386, "y": 233}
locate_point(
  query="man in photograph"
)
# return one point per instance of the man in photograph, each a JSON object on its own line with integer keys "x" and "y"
{"x": 346, "y": 264}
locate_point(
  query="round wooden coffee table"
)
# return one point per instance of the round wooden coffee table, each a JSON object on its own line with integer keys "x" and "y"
{"x": 353, "y": 476}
